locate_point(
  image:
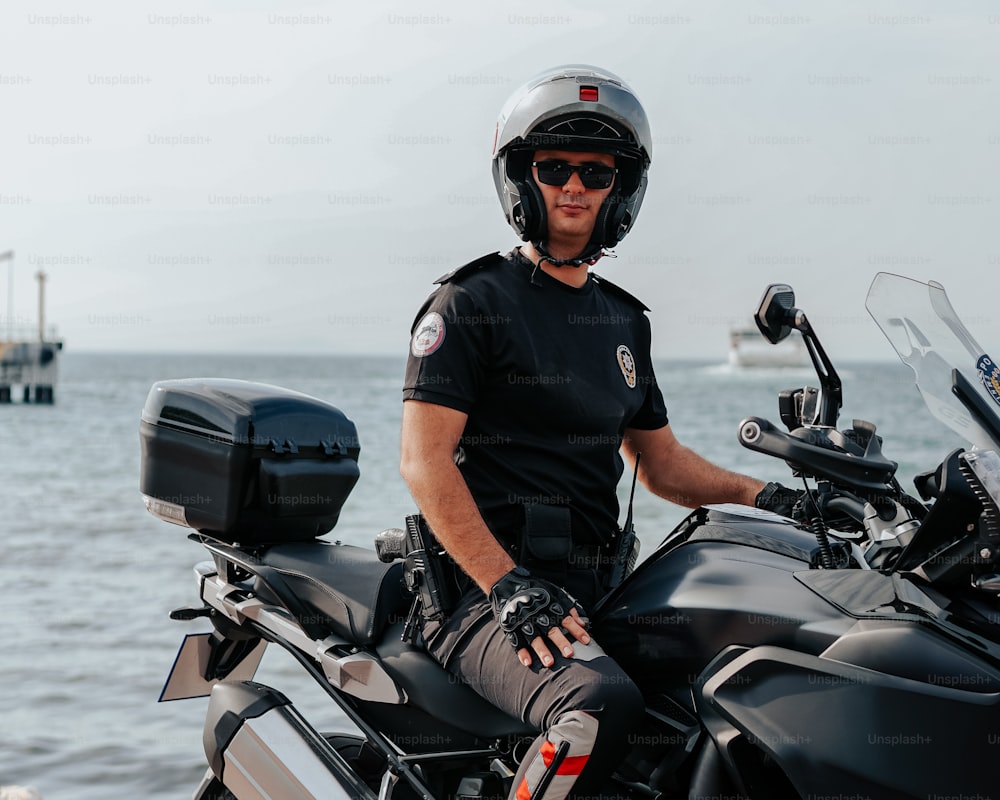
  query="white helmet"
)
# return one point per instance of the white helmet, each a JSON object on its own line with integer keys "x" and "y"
{"x": 572, "y": 107}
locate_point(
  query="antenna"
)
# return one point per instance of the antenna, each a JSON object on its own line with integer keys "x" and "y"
{"x": 627, "y": 550}
{"x": 631, "y": 494}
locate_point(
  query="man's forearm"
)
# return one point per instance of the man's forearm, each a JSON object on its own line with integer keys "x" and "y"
{"x": 695, "y": 481}
{"x": 446, "y": 503}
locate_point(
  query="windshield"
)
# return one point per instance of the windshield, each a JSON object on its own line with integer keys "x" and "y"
{"x": 925, "y": 331}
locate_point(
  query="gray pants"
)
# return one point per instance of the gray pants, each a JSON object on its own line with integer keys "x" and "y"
{"x": 585, "y": 706}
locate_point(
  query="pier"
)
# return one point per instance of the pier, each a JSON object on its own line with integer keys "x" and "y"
{"x": 29, "y": 364}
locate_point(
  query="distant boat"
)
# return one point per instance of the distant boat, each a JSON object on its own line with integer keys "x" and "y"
{"x": 749, "y": 348}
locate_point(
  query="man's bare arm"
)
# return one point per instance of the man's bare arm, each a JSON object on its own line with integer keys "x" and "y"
{"x": 430, "y": 436}
{"x": 677, "y": 473}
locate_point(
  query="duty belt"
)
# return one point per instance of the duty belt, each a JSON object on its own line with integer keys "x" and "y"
{"x": 540, "y": 537}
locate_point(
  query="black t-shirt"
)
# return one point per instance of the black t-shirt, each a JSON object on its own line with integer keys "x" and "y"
{"x": 550, "y": 377}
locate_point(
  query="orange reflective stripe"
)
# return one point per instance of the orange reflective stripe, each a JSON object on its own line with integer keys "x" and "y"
{"x": 572, "y": 765}
{"x": 547, "y": 751}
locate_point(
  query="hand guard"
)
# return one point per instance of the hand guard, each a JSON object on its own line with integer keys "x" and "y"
{"x": 781, "y": 500}
{"x": 527, "y": 607}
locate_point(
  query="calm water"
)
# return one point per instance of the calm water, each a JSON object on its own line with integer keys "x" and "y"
{"x": 87, "y": 578}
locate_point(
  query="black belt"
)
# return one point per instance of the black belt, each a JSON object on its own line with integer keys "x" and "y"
{"x": 508, "y": 525}
{"x": 592, "y": 556}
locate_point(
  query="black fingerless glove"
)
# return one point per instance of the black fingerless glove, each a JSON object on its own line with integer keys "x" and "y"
{"x": 780, "y": 500}
{"x": 527, "y": 607}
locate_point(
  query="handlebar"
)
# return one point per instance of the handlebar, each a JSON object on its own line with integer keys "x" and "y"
{"x": 816, "y": 451}
{"x": 849, "y": 506}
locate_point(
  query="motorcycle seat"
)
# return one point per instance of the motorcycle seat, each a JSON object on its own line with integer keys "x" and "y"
{"x": 364, "y": 600}
{"x": 431, "y": 688}
{"x": 354, "y": 593}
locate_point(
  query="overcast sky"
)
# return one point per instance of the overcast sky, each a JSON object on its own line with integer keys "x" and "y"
{"x": 241, "y": 176}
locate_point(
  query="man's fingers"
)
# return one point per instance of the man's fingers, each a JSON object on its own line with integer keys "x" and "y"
{"x": 542, "y": 650}
{"x": 559, "y": 639}
{"x": 574, "y": 627}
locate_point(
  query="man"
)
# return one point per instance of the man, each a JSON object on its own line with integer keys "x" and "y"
{"x": 527, "y": 376}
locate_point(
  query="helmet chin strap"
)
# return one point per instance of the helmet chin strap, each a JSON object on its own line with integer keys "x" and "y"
{"x": 589, "y": 258}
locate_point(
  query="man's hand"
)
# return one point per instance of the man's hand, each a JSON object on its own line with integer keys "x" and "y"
{"x": 529, "y": 609}
{"x": 781, "y": 500}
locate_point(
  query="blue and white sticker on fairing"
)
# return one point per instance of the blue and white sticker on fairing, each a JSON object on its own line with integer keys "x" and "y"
{"x": 989, "y": 374}
{"x": 428, "y": 336}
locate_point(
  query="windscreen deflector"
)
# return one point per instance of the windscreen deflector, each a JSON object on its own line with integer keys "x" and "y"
{"x": 923, "y": 328}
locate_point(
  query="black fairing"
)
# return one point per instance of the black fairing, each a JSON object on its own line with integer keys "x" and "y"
{"x": 826, "y": 725}
{"x": 810, "y": 679}
{"x": 724, "y": 577}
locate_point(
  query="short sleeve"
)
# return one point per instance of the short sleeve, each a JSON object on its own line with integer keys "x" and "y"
{"x": 652, "y": 414}
{"x": 447, "y": 356}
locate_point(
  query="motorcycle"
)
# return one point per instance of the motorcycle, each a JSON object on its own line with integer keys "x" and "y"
{"x": 851, "y": 652}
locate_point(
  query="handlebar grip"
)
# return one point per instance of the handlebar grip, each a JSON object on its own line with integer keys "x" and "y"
{"x": 390, "y": 544}
{"x": 752, "y": 430}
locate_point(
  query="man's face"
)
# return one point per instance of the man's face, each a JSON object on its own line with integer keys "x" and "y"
{"x": 572, "y": 208}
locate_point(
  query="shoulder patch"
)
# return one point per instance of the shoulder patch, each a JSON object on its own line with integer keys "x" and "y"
{"x": 488, "y": 260}
{"x": 428, "y": 336}
{"x": 617, "y": 291}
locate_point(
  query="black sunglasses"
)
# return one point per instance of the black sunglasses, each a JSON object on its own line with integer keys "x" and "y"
{"x": 593, "y": 174}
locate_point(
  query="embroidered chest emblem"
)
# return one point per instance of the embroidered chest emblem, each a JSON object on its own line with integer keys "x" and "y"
{"x": 627, "y": 365}
{"x": 428, "y": 336}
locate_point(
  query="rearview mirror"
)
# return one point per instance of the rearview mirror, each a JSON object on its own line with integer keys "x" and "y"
{"x": 775, "y": 318}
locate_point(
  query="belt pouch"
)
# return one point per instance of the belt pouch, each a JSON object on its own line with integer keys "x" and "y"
{"x": 547, "y": 538}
